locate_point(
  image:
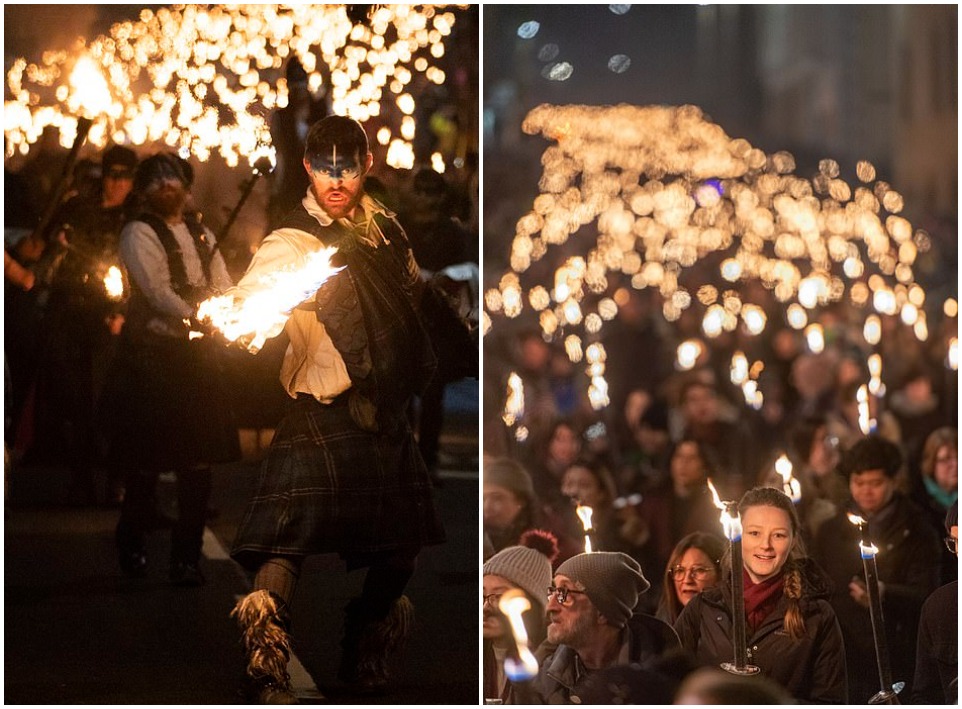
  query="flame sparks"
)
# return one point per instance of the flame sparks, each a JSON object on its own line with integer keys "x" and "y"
{"x": 114, "y": 283}
{"x": 263, "y": 313}
{"x": 204, "y": 78}
{"x": 513, "y": 604}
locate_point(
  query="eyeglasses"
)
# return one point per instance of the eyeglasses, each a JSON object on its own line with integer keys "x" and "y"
{"x": 561, "y": 594}
{"x": 700, "y": 573}
{"x": 952, "y": 544}
{"x": 494, "y": 598}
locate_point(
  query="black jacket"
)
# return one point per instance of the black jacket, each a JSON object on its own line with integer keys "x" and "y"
{"x": 561, "y": 672}
{"x": 908, "y": 567}
{"x": 811, "y": 669}
{"x": 937, "y": 657}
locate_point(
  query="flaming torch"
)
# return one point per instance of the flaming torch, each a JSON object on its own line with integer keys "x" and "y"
{"x": 866, "y": 423}
{"x": 584, "y": 514}
{"x": 524, "y": 666}
{"x": 89, "y": 97}
{"x": 732, "y": 524}
{"x": 264, "y": 313}
{"x": 263, "y": 161}
{"x": 888, "y": 694}
{"x": 790, "y": 486}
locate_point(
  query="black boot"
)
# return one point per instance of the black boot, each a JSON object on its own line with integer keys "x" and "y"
{"x": 264, "y": 621}
{"x": 371, "y": 643}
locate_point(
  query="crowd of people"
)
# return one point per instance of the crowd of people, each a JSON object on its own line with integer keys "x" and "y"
{"x": 643, "y": 466}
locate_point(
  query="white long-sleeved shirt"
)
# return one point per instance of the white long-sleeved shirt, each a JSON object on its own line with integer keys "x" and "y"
{"x": 145, "y": 259}
{"x": 312, "y": 365}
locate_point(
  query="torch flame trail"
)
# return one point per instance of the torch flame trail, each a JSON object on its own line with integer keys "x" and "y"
{"x": 264, "y": 313}
{"x": 513, "y": 604}
{"x": 790, "y": 486}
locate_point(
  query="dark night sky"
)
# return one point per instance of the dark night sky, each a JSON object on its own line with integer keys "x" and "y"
{"x": 659, "y": 40}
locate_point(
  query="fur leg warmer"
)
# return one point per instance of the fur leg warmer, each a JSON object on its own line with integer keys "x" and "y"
{"x": 263, "y": 620}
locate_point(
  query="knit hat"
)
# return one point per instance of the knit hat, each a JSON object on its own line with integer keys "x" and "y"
{"x": 612, "y": 580}
{"x": 510, "y": 475}
{"x": 118, "y": 155}
{"x": 527, "y": 566}
{"x": 162, "y": 166}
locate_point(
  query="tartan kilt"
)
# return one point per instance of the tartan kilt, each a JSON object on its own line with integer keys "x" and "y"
{"x": 327, "y": 485}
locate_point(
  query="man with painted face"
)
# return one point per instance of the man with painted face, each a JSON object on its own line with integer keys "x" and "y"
{"x": 167, "y": 409}
{"x": 343, "y": 474}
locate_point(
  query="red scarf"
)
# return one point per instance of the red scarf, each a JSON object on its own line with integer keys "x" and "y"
{"x": 761, "y": 598}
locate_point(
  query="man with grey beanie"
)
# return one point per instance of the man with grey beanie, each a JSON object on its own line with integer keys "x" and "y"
{"x": 592, "y": 624}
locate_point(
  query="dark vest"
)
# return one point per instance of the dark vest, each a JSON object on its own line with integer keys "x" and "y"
{"x": 141, "y": 311}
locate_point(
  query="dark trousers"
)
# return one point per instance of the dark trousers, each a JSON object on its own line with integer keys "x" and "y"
{"x": 139, "y": 514}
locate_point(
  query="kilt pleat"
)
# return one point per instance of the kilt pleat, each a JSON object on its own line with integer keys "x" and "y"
{"x": 327, "y": 485}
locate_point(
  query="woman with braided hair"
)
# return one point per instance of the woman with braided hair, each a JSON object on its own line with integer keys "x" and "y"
{"x": 793, "y": 634}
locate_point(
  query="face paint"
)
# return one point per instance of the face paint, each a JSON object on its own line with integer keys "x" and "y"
{"x": 337, "y": 182}
{"x": 338, "y": 165}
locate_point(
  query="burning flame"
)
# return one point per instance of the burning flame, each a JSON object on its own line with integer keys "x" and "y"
{"x": 791, "y": 486}
{"x": 815, "y": 337}
{"x": 584, "y": 514}
{"x": 514, "y": 405}
{"x": 513, "y": 604}
{"x": 875, "y": 385}
{"x": 688, "y": 353}
{"x": 866, "y": 423}
{"x": 731, "y": 525}
{"x": 867, "y": 550}
{"x": 265, "y": 312}
{"x": 114, "y": 283}
{"x": 739, "y": 368}
{"x": 953, "y": 356}
{"x": 89, "y": 96}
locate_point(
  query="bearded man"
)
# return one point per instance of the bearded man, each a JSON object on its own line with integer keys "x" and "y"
{"x": 167, "y": 408}
{"x": 343, "y": 474}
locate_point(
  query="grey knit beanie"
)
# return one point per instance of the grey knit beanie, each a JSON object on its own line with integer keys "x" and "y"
{"x": 612, "y": 580}
{"x": 526, "y": 568}
{"x": 510, "y": 475}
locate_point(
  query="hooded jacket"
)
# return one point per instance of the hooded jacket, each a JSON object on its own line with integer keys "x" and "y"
{"x": 811, "y": 669}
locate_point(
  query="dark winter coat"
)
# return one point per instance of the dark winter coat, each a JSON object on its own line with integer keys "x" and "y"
{"x": 908, "y": 568}
{"x": 811, "y": 669}
{"x": 937, "y": 658}
{"x": 561, "y": 671}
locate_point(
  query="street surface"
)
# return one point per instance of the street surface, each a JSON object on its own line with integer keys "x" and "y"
{"x": 77, "y": 631}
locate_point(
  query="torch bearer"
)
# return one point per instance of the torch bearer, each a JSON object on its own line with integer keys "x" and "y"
{"x": 888, "y": 694}
{"x": 90, "y": 96}
{"x": 732, "y": 524}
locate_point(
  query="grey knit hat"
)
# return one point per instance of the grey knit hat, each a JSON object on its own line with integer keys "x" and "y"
{"x": 528, "y": 565}
{"x": 612, "y": 580}
{"x": 510, "y": 475}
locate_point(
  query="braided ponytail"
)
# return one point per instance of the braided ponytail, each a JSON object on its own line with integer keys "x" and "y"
{"x": 794, "y": 621}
